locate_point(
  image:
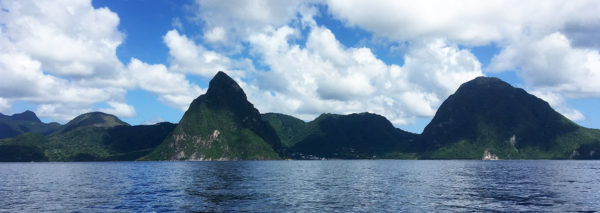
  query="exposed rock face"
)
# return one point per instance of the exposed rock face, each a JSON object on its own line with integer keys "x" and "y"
{"x": 513, "y": 140}
{"x": 487, "y": 155}
{"x": 220, "y": 125}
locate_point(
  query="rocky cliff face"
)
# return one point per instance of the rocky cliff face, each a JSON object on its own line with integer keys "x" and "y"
{"x": 220, "y": 125}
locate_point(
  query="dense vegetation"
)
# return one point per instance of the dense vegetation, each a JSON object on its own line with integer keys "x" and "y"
{"x": 354, "y": 136}
{"x": 91, "y": 137}
{"x": 287, "y": 127}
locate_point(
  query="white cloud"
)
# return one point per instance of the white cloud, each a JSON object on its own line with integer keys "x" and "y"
{"x": 61, "y": 57}
{"x": 187, "y": 57}
{"x": 559, "y": 104}
{"x": 119, "y": 109}
{"x": 216, "y": 34}
{"x": 23, "y": 79}
{"x": 172, "y": 88}
{"x": 5, "y": 106}
{"x": 551, "y": 63}
{"x": 238, "y": 19}
{"x": 467, "y": 22}
{"x": 62, "y": 112}
{"x": 551, "y": 45}
{"x": 325, "y": 76}
{"x": 65, "y": 52}
{"x": 554, "y": 69}
{"x": 440, "y": 67}
{"x": 70, "y": 38}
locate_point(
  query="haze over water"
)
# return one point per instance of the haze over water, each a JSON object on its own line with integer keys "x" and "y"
{"x": 291, "y": 186}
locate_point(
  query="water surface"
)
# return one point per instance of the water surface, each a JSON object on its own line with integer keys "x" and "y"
{"x": 310, "y": 186}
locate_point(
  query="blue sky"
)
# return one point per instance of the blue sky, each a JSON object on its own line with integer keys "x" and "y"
{"x": 144, "y": 61}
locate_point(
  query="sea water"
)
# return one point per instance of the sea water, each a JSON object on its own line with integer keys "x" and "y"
{"x": 301, "y": 186}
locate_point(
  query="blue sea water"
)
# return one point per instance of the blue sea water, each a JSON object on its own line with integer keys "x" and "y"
{"x": 301, "y": 186}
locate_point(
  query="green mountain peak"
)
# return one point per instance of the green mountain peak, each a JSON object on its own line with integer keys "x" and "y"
{"x": 95, "y": 119}
{"x": 220, "y": 125}
{"x": 488, "y": 113}
{"x": 26, "y": 116}
{"x": 19, "y": 123}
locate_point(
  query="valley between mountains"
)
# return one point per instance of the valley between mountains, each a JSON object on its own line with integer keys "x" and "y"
{"x": 485, "y": 118}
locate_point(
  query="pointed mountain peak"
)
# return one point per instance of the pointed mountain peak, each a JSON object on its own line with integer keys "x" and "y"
{"x": 221, "y": 124}
{"x": 25, "y": 116}
{"x": 224, "y": 86}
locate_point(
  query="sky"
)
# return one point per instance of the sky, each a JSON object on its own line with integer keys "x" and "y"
{"x": 145, "y": 61}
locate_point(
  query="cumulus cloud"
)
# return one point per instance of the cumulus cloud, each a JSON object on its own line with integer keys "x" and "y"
{"x": 62, "y": 112}
{"x": 558, "y": 103}
{"x": 4, "y": 106}
{"x": 552, "y": 45}
{"x": 65, "y": 52}
{"x": 70, "y": 38}
{"x": 172, "y": 88}
{"x": 229, "y": 22}
{"x": 552, "y": 63}
{"x": 554, "y": 69}
{"x": 468, "y": 22}
{"x": 119, "y": 109}
{"x": 23, "y": 79}
{"x": 61, "y": 57}
{"x": 186, "y": 56}
{"x": 321, "y": 74}
{"x": 326, "y": 76}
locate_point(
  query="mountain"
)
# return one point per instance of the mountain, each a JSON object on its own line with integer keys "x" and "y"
{"x": 485, "y": 118}
{"x": 89, "y": 137}
{"x": 95, "y": 119}
{"x": 488, "y": 114}
{"x": 354, "y": 136}
{"x": 24, "y": 116}
{"x": 220, "y": 125}
{"x": 11, "y": 126}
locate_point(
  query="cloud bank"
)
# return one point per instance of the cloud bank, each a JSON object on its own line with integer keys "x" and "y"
{"x": 61, "y": 55}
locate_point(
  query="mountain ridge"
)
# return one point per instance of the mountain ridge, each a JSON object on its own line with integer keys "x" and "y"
{"x": 484, "y": 117}
{"x": 27, "y": 121}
